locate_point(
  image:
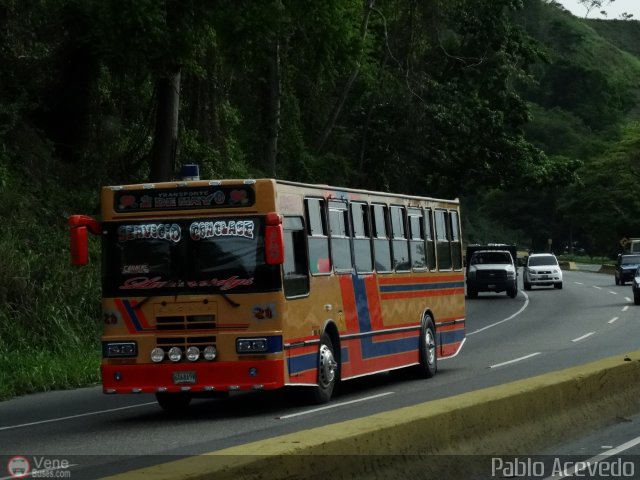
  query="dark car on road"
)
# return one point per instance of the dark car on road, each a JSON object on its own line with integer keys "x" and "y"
{"x": 626, "y": 267}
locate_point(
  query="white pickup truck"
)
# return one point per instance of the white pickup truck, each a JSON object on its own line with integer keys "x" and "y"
{"x": 491, "y": 268}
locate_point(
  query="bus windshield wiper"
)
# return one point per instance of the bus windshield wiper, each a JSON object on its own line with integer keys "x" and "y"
{"x": 141, "y": 303}
{"x": 229, "y": 299}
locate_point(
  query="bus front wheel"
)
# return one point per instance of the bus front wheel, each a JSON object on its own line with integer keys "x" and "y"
{"x": 428, "y": 350}
{"x": 327, "y": 371}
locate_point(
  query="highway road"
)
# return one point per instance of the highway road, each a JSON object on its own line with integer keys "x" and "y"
{"x": 541, "y": 330}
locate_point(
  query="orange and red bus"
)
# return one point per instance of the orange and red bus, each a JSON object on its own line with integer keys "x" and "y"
{"x": 210, "y": 287}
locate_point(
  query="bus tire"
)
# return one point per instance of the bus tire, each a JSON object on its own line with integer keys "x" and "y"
{"x": 327, "y": 371}
{"x": 174, "y": 403}
{"x": 428, "y": 350}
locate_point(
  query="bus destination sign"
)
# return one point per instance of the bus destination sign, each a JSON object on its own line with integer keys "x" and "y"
{"x": 183, "y": 198}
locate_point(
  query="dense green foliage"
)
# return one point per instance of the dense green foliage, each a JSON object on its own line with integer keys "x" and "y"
{"x": 526, "y": 113}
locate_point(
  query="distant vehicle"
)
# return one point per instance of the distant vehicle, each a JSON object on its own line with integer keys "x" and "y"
{"x": 491, "y": 268}
{"x": 633, "y": 245}
{"x": 626, "y": 267}
{"x": 542, "y": 269}
{"x": 636, "y": 287}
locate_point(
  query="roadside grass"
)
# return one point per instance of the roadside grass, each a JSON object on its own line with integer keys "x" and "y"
{"x": 49, "y": 310}
{"x": 49, "y": 323}
{"x": 23, "y": 372}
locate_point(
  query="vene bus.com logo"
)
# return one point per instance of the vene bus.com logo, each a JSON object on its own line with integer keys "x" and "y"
{"x": 18, "y": 467}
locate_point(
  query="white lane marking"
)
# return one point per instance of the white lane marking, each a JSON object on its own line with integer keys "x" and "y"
{"x": 613, "y": 293}
{"x": 627, "y": 299}
{"x": 625, "y": 308}
{"x": 99, "y": 412}
{"x": 526, "y": 302}
{"x": 334, "y": 405}
{"x": 514, "y": 360}
{"x": 578, "y": 283}
{"x": 584, "y": 464}
{"x": 597, "y": 287}
{"x": 613, "y": 320}
{"x": 583, "y": 337}
{"x": 455, "y": 354}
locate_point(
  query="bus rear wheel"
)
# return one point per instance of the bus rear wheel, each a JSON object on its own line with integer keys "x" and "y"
{"x": 174, "y": 403}
{"x": 428, "y": 350}
{"x": 327, "y": 371}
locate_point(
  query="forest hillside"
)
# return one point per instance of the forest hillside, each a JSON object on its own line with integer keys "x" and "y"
{"x": 526, "y": 113}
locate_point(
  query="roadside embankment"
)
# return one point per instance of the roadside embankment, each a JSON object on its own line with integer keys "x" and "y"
{"x": 518, "y": 418}
{"x": 564, "y": 265}
{"x": 607, "y": 269}
{"x": 596, "y": 268}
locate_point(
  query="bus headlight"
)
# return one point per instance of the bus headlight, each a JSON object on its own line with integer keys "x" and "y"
{"x": 251, "y": 345}
{"x": 175, "y": 354}
{"x": 210, "y": 353}
{"x": 119, "y": 349}
{"x": 157, "y": 355}
{"x": 193, "y": 354}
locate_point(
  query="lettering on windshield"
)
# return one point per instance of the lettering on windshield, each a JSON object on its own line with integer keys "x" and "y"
{"x": 222, "y": 228}
{"x": 159, "y": 231}
{"x": 147, "y": 283}
{"x": 133, "y": 269}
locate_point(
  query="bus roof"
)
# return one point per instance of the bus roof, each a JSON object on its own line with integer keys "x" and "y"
{"x": 150, "y": 199}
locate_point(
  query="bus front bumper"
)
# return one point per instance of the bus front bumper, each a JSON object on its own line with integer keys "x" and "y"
{"x": 194, "y": 377}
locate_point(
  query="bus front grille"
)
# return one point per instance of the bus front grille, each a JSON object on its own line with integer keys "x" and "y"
{"x": 186, "y": 322}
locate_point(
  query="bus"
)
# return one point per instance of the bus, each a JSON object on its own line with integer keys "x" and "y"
{"x": 216, "y": 286}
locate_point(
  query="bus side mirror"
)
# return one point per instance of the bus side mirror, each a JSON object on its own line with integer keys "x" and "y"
{"x": 79, "y": 239}
{"x": 79, "y": 246}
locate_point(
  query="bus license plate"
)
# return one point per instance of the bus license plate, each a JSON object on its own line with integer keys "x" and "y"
{"x": 184, "y": 378}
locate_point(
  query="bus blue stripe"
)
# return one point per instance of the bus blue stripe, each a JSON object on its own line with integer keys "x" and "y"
{"x": 309, "y": 361}
{"x": 132, "y": 315}
{"x": 371, "y": 349}
{"x": 362, "y": 304}
{"x": 451, "y": 336}
{"x": 302, "y": 363}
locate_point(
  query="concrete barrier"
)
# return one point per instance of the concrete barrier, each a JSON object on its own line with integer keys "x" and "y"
{"x": 518, "y": 418}
{"x": 564, "y": 265}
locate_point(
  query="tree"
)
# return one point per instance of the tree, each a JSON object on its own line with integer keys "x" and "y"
{"x": 590, "y": 5}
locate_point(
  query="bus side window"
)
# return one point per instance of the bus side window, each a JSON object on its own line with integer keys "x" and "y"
{"x": 381, "y": 244}
{"x": 318, "y": 238}
{"x": 428, "y": 233}
{"x": 416, "y": 239}
{"x": 456, "y": 244}
{"x": 296, "y": 273}
{"x": 401, "y": 260}
{"x": 361, "y": 237}
{"x": 443, "y": 245}
{"x": 340, "y": 236}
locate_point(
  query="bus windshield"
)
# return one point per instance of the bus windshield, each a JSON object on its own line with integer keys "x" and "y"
{"x": 209, "y": 255}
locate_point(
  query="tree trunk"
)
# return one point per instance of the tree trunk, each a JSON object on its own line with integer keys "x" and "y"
{"x": 165, "y": 141}
{"x": 273, "y": 115}
{"x": 345, "y": 91}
